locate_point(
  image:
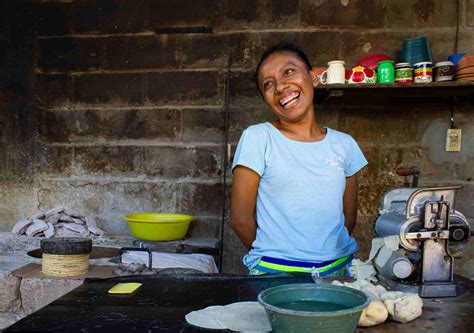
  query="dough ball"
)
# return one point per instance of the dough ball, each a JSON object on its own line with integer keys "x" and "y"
{"x": 375, "y": 313}
{"x": 402, "y": 307}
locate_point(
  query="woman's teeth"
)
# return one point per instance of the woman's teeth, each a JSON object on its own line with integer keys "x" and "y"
{"x": 289, "y": 100}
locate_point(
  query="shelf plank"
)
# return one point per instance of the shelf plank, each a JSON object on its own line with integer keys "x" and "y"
{"x": 393, "y": 91}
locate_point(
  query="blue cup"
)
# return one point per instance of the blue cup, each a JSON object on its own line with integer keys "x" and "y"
{"x": 416, "y": 50}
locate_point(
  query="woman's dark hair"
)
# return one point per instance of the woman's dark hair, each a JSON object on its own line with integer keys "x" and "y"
{"x": 283, "y": 46}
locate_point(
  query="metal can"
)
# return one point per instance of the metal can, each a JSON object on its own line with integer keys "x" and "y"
{"x": 423, "y": 72}
{"x": 403, "y": 73}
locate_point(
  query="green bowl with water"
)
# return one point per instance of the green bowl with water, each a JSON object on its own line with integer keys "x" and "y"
{"x": 309, "y": 307}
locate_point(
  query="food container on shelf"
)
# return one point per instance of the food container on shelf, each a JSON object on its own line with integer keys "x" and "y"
{"x": 158, "y": 226}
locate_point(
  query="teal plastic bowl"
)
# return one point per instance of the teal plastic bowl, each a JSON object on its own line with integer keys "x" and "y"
{"x": 309, "y": 307}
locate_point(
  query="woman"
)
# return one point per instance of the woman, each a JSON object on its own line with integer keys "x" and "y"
{"x": 294, "y": 191}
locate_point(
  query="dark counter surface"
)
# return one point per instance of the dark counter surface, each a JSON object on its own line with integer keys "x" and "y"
{"x": 161, "y": 303}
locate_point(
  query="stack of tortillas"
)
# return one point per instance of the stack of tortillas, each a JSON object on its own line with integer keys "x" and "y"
{"x": 240, "y": 317}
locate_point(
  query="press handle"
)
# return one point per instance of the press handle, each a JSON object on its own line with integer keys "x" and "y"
{"x": 410, "y": 171}
{"x": 131, "y": 249}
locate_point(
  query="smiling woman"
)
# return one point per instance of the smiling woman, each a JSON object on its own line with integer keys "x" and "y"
{"x": 294, "y": 191}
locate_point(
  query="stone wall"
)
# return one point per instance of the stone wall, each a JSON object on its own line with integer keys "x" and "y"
{"x": 116, "y": 106}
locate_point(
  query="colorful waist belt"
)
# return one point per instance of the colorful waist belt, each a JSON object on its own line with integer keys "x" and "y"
{"x": 274, "y": 265}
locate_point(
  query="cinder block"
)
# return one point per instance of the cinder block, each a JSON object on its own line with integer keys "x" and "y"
{"x": 355, "y": 13}
{"x": 182, "y": 13}
{"x": 391, "y": 126}
{"x": 86, "y": 198}
{"x": 53, "y": 18}
{"x": 204, "y": 227}
{"x": 203, "y": 125}
{"x": 469, "y": 13}
{"x": 198, "y": 87}
{"x": 415, "y": 13}
{"x": 69, "y": 53}
{"x": 283, "y": 10}
{"x": 125, "y": 198}
{"x": 88, "y": 125}
{"x": 10, "y": 299}
{"x": 201, "y": 51}
{"x": 123, "y": 16}
{"x": 52, "y": 90}
{"x": 157, "y": 51}
{"x": 87, "y": 16}
{"x": 37, "y": 293}
{"x": 202, "y": 199}
{"x": 122, "y": 160}
{"x": 54, "y": 160}
{"x": 117, "y": 88}
{"x": 184, "y": 162}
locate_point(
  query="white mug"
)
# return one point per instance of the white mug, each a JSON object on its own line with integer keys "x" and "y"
{"x": 335, "y": 73}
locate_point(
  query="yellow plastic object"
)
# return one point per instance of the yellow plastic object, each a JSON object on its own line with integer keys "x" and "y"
{"x": 158, "y": 226}
{"x": 124, "y": 288}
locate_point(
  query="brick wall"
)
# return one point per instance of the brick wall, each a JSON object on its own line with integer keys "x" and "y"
{"x": 116, "y": 112}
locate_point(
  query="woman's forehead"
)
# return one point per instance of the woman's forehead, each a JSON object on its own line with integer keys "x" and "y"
{"x": 280, "y": 58}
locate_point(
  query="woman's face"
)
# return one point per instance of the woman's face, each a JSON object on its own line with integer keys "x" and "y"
{"x": 287, "y": 86}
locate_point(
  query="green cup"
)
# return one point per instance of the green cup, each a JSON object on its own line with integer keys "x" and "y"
{"x": 385, "y": 72}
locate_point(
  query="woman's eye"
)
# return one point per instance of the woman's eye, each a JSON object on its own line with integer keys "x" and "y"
{"x": 289, "y": 71}
{"x": 267, "y": 85}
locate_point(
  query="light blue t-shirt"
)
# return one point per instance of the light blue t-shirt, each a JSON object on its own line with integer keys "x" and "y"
{"x": 299, "y": 209}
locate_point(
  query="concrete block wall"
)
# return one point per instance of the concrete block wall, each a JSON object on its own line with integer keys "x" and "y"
{"x": 118, "y": 110}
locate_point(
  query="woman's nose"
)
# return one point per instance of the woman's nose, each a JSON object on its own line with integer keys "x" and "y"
{"x": 281, "y": 85}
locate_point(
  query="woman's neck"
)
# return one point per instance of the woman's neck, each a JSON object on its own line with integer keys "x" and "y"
{"x": 307, "y": 130}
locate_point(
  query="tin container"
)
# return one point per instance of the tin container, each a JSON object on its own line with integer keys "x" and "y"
{"x": 423, "y": 72}
{"x": 443, "y": 71}
{"x": 403, "y": 73}
{"x": 385, "y": 72}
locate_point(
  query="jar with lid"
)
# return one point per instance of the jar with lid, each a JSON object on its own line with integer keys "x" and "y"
{"x": 403, "y": 73}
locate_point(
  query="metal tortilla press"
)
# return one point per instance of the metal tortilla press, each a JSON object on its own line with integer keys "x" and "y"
{"x": 430, "y": 231}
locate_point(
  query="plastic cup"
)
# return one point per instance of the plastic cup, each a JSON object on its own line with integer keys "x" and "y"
{"x": 416, "y": 50}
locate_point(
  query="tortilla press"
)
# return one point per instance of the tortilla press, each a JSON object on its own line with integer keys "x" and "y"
{"x": 134, "y": 268}
{"x": 431, "y": 233}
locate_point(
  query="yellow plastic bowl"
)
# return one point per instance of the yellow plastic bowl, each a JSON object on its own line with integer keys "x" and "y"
{"x": 158, "y": 226}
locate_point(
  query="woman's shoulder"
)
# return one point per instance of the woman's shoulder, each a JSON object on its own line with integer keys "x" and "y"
{"x": 340, "y": 136}
{"x": 261, "y": 130}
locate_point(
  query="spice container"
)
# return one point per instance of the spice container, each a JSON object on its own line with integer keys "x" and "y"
{"x": 403, "y": 73}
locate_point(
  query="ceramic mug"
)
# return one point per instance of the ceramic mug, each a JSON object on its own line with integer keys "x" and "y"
{"x": 335, "y": 73}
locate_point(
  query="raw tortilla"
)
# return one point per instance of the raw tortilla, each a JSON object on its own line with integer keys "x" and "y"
{"x": 206, "y": 318}
{"x": 245, "y": 316}
{"x": 241, "y": 316}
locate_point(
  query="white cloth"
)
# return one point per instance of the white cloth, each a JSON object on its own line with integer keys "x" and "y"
{"x": 201, "y": 262}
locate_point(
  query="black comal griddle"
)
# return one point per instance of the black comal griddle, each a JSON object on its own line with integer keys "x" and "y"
{"x": 159, "y": 305}
{"x": 163, "y": 300}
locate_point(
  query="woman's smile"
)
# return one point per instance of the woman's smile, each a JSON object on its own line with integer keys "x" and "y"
{"x": 290, "y": 99}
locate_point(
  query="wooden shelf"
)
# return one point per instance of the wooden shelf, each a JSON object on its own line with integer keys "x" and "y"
{"x": 378, "y": 91}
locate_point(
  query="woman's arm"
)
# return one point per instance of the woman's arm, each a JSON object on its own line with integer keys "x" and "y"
{"x": 350, "y": 203}
{"x": 244, "y": 196}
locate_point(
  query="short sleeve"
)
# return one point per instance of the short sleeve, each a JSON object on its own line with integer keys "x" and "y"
{"x": 356, "y": 159}
{"x": 250, "y": 150}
